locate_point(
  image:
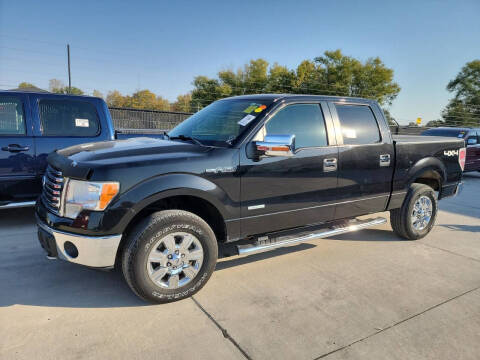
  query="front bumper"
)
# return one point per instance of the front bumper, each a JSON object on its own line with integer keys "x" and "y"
{"x": 93, "y": 251}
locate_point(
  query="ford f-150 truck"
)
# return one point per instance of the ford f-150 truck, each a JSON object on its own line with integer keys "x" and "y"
{"x": 32, "y": 125}
{"x": 244, "y": 174}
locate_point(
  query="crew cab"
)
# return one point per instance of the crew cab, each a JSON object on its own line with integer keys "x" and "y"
{"x": 244, "y": 174}
{"x": 472, "y": 140}
{"x": 32, "y": 125}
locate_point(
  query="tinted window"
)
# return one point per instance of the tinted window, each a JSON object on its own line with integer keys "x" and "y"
{"x": 358, "y": 124}
{"x": 68, "y": 118}
{"x": 12, "y": 119}
{"x": 305, "y": 121}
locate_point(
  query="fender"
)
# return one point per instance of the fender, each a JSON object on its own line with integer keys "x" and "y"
{"x": 123, "y": 209}
{"x": 425, "y": 164}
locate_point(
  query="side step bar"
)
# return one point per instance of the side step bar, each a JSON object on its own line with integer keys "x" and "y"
{"x": 352, "y": 226}
{"x": 15, "y": 205}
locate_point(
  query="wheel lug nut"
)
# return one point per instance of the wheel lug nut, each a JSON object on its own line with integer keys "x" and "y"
{"x": 183, "y": 255}
{"x": 169, "y": 256}
{"x": 176, "y": 252}
{"x": 169, "y": 264}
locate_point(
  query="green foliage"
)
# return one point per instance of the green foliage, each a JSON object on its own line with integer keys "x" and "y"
{"x": 464, "y": 108}
{"x": 97, "y": 93}
{"x": 330, "y": 74}
{"x": 183, "y": 103}
{"x": 26, "y": 85}
{"x": 58, "y": 87}
{"x": 142, "y": 99}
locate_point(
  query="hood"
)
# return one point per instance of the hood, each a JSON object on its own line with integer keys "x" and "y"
{"x": 129, "y": 150}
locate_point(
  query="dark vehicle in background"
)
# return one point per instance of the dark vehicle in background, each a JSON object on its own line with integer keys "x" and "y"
{"x": 472, "y": 140}
{"x": 244, "y": 174}
{"x": 32, "y": 125}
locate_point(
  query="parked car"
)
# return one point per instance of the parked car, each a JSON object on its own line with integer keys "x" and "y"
{"x": 472, "y": 139}
{"x": 244, "y": 174}
{"x": 32, "y": 125}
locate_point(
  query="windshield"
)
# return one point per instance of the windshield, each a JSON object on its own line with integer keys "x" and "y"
{"x": 445, "y": 132}
{"x": 221, "y": 122}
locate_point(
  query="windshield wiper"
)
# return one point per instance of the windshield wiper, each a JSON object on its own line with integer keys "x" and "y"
{"x": 186, "y": 138}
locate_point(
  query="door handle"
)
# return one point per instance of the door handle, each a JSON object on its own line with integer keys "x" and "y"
{"x": 385, "y": 160}
{"x": 15, "y": 148}
{"x": 329, "y": 165}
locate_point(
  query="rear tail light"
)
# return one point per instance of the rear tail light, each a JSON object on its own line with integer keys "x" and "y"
{"x": 462, "y": 155}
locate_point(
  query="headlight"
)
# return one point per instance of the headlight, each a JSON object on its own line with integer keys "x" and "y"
{"x": 85, "y": 195}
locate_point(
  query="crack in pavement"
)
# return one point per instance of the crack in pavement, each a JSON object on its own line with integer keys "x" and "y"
{"x": 397, "y": 323}
{"x": 222, "y": 329}
{"x": 449, "y": 251}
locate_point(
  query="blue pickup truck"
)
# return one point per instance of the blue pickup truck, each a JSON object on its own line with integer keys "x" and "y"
{"x": 32, "y": 125}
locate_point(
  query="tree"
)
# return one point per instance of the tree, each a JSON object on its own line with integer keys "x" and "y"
{"x": 183, "y": 103}
{"x": 115, "y": 99}
{"x": 330, "y": 74}
{"x": 97, "y": 93}
{"x": 58, "y": 87}
{"x": 26, "y": 85}
{"x": 464, "y": 108}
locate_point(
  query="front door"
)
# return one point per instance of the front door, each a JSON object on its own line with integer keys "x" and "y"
{"x": 17, "y": 151}
{"x": 285, "y": 192}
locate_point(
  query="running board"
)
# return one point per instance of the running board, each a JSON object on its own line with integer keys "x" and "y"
{"x": 15, "y": 205}
{"x": 269, "y": 245}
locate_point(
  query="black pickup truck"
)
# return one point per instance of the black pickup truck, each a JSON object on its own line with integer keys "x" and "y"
{"x": 244, "y": 174}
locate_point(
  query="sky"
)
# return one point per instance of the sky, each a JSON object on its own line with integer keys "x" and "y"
{"x": 162, "y": 45}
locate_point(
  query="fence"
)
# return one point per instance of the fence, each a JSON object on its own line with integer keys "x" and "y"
{"x": 135, "y": 119}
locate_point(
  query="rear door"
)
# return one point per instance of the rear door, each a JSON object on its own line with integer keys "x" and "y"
{"x": 17, "y": 150}
{"x": 284, "y": 192}
{"x": 365, "y": 157}
{"x": 64, "y": 121}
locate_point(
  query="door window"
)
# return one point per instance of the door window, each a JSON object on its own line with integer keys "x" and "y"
{"x": 68, "y": 118}
{"x": 358, "y": 123}
{"x": 12, "y": 118}
{"x": 305, "y": 121}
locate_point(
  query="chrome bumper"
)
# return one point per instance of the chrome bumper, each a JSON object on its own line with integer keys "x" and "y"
{"x": 93, "y": 251}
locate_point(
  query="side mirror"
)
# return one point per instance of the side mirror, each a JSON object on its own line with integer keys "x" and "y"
{"x": 276, "y": 145}
{"x": 472, "y": 141}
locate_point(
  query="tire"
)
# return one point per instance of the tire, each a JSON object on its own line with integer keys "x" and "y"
{"x": 152, "y": 239}
{"x": 401, "y": 219}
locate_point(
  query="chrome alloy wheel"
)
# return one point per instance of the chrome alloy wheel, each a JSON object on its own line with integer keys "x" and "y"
{"x": 175, "y": 260}
{"x": 422, "y": 213}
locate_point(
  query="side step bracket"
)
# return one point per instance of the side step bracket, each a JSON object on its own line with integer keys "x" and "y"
{"x": 321, "y": 233}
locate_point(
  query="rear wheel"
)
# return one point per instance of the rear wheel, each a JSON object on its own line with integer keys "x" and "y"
{"x": 416, "y": 217}
{"x": 169, "y": 256}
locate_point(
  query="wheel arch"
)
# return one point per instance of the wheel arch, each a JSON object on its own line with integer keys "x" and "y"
{"x": 428, "y": 171}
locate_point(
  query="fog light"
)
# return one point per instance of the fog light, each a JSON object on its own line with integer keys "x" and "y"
{"x": 70, "y": 249}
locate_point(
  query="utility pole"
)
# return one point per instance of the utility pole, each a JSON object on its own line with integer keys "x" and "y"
{"x": 69, "y": 74}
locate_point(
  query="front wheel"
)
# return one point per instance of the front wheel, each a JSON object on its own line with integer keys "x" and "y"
{"x": 416, "y": 217}
{"x": 169, "y": 256}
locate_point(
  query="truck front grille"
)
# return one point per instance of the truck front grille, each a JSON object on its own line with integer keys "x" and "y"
{"x": 53, "y": 182}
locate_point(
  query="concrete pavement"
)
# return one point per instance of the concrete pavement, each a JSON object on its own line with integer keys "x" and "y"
{"x": 364, "y": 295}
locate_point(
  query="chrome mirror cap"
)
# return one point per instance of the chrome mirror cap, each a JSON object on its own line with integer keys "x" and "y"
{"x": 276, "y": 145}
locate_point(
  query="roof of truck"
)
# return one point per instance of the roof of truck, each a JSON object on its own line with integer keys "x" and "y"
{"x": 276, "y": 97}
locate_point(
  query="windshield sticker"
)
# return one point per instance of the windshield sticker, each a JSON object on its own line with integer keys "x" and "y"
{"x": 81, "y": 123}
{"x": 249, "y": 109}
{"x": 246, "y": 120}
{"x": 260, "y": 108}
{"x": 461, "y": 135}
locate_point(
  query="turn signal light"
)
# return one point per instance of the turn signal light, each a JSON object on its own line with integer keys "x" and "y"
{"x": 462, "y": 156}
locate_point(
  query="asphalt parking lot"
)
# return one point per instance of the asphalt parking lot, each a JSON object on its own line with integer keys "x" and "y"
{"x": 364, "y": 295}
